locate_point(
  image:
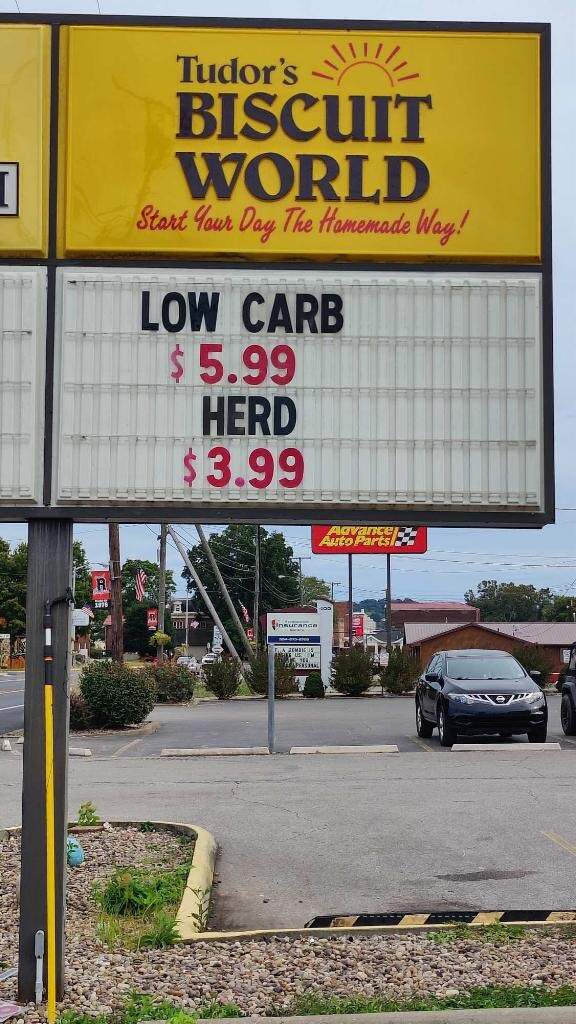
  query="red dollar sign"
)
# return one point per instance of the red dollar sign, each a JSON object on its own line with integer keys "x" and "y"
{"x": 175, "y": 357}
{"x": 190, "y": 476}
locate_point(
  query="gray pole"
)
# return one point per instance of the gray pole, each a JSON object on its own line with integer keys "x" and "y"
{"x": 49, "y": 575}
{"x": 186, "y": 623}
{"x": 256, "y": 624}
{"x": 162, "y": 589}
{"x": 271, "y": 697}
{"x": 350, "y": 601}
{"x": 224, "y": 591}
{"x": 388, "y": 605}
{"x": 203, "y": 594}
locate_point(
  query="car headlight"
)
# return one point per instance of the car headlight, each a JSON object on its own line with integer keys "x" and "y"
{"x": 534, "y": 698}
{"x": 461, "y": 698}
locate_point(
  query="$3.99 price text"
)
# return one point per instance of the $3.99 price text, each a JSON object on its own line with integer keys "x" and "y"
{"x": 262, "y": 464}
{"x": 278, "y": 365}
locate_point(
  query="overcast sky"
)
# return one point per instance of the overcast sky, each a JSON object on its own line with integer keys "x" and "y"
{"x": 457, "y": 559}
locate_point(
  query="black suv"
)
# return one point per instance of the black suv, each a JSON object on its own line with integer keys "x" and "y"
{"x": 479, "y": 692}
{"x": 567, "y": 687}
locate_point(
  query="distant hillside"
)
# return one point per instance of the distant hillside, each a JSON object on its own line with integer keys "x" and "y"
{"x": 376, "y": 607}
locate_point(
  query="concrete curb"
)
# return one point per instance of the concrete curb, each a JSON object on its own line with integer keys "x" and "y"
{"x": 192, "y": 914}
{"x": 213, "y": 751}
{"x": 383, "y": 748}
{"x": 543, "y": 1015}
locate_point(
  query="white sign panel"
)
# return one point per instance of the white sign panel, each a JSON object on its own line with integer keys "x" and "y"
{"x": 263, "y": 388}
{"x": 303, "y": 656}
{"x": 22, "y": 345}
{"x": 80, "y": 617}
{"x": 293, "y": 628}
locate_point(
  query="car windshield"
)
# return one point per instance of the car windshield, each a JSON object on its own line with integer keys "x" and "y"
{"x": 483, "y": 668}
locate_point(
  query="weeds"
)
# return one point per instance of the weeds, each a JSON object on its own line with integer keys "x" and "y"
{"x": 161, "y": 934}
{"x": 135, "y": 892}
{"x": 200, "y": 917}
{"x": 87, "y": 814}
{"x": 487, "y": 997}
{"x": 143, "y": 1007}
{"x": 498, "y": 934}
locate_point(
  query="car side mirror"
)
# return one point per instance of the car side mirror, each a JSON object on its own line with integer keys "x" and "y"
{"x": 536, "y": 675}
{"x": 432, "y": 677}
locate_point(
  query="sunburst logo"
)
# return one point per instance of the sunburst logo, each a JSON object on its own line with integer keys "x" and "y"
{"x": 347, "y": 56}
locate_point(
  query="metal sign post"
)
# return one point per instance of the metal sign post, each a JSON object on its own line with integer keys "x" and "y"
{"x": 271, "y": 697}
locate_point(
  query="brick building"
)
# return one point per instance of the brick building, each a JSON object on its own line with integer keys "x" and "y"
{"x": 423, "y": 639}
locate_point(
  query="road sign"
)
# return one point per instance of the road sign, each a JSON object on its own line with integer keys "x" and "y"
{"x": 80, "y": 617}
{"x": 369, "y": 540}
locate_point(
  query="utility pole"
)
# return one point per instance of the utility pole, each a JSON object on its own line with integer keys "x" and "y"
{"x": 224, "y": 591}
{"x": 203, "y": 594}
{"x": 350, "y": 632}
{"x": 162, "y": 588}
{"x": 186, "y": 623}
{"x": 116, "y": 592}
{"x": 388, "y": 605}
{"x": 256, "y": 623}
{"x": 49, "y": 577}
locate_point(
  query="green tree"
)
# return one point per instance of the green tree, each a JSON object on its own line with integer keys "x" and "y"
{"x": 560, "y": 609}
{"x": 152, "y": 571}
{"x": 314, "y": 589}
{"x": 509, "y": 602}
{"x": 235, "y": 552}
{"x": 82, "y": 577}
{"x": 13, "y": 568}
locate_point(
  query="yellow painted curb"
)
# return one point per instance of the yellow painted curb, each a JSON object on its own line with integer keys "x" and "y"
{"x": 192, "y": 915}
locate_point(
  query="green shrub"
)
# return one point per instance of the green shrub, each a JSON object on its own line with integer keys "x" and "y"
{"x": 352, "y": 671}
{"x": 401, "y": 673}
{"x": 80, "y": 717}
{"x": 285, "y": 676}
{"x": 116, "y": 696}
{"x": 87, "y": 814}
{"x": 174, "y": 683}
{"x": 313, "y": 687}
{"x": 222, "y": 677}
{"x": 534, "y": 658}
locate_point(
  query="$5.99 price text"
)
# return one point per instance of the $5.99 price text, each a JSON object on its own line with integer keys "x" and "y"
{"x": 262, "y": 464}
{"x": 278, "y": 365}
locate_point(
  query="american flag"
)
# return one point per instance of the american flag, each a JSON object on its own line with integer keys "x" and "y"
{"x": 244, "y": 611}
{"x": 141, "y": 580}
{"x": 88, "y": 611}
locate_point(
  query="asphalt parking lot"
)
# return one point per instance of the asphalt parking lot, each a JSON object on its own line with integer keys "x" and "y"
{"x": 333, "y": 721}
{"x": 11, "y": 701}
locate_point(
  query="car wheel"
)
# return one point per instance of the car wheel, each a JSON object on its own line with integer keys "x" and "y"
{"x": 445, "y": 731}
{"x": 538, "y": 735}
{"x": 567, "y": 716}
{"x": 423, "y": 727}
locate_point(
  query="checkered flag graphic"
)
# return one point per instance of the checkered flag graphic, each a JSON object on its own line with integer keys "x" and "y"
{"x": 406, "y": 537}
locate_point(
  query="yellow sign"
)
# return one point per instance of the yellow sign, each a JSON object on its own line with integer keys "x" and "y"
{"x": 24, "y": 139}
{"x": 314, "y": 143}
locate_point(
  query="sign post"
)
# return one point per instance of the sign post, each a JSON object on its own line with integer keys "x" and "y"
{"x": 271, "y": 699}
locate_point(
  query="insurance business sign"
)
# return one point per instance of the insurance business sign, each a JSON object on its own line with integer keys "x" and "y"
{"x": 297, "y": 271}
{"x": 361, "y": 142}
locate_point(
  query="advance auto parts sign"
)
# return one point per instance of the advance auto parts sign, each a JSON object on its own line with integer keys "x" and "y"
{"x": 302, "y": 142}
{"x": 369, "y": 540}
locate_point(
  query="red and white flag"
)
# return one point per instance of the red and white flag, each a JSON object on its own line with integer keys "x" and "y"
{"x": 88, "y": 611}
{"x": 141, "y": 580}
{"x": 245, "y": 614}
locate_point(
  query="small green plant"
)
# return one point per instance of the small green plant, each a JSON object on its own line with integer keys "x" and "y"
{"x": 200, "y": 917}
{"x": 498, "y": 934}
{"x": 135, "y": 892}
{"x": 313, "y": 687}
{"x": 161, "y": 934}
{"x": 352, "y": 671}
{"x": 160, "y": 639}
{"x": 144, "y": 1007}
{"x": 485, "y": 997}
{"x": 284, "y": 679}
{"x": 87, "y": 814}
{"x": 116, "y": 695}
{"x": 222, "y": 678}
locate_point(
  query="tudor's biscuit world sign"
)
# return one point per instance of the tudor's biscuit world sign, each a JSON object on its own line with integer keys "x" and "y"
{"x": 271, "y": 143}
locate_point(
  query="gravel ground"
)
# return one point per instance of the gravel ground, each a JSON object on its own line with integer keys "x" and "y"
{"x": 260, "y": 974}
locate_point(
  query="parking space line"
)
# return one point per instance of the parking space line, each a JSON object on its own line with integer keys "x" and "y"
{"x": 3, "y": 692}
{"x": 560, "y": 841}
{"x": 566, "y": 739}
{"x": 12, "y": 707}
{"x": 420, "y": 743}
{"x": 126, "y": 746}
